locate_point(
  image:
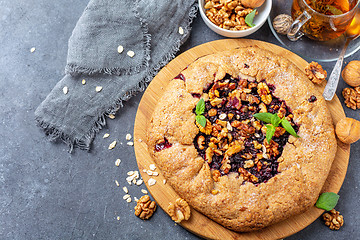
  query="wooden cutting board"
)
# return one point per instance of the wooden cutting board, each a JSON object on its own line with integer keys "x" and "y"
{"x": 163, "y": 193}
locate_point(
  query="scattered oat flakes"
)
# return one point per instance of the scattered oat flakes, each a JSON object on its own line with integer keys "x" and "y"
{"x": 106, "y": 135}
{"x": 139, "y": 182}
{"x": 112, "y": 145}
{"x": 126, "y": 196}
{"x": 32, "y": 49}
{"x": 155, "y": 174}
{"x": 125, "y": 190}
{"x": 144, "y": 170}
{"x": 130, "y": 54}
{"x": 65, "y": 90}
{"x": 136, "y": 199}
{"x": 117, "y": 162}
{"x": 144, "y": 191}
{"x": 151, "y": 181}
{"x": 120, "y": 49}
{"x": 181, "y": 30}
{"x": 152, "y": 167}
{"x": 164, "y": 181}
{"x": 128, "y": 136}
{"x": 130, "y": 143}
{"x": 111, "y": 116}
{"x": 128, "y": 200}
{"x": 117, "y": 183}
{"x": 83, "y": 82}
{"x": 129, "y": 173}
{"x": 118, "y": 218}
{"x": 98, "y": 88}
{"x": 149, "y": 172}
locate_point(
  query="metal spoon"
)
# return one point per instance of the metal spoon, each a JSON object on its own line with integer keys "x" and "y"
{"x": 351, "y": 33}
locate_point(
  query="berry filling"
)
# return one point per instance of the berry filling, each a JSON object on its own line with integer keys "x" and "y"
{"x": 235, "y": 141}
{"x": 163, "y": 145}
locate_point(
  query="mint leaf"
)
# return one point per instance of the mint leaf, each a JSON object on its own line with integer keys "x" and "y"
{"x": 250, "y": 18}
{"x": 201, "y": 120}
{"x": 285, "y": 123}
{"x": 275, "y": 120}
{"x": 270, "y": 130}
{"x": 200, "y": 107}
{"x": 265, "y": 117}
{"x": 327, "y": 201}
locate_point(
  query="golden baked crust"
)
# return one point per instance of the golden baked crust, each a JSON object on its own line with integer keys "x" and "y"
{"x": 241, "y": 205}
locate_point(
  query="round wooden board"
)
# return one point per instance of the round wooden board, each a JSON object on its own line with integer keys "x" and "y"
{"x": 164, "y": 194}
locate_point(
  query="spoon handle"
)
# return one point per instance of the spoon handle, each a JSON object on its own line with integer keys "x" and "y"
{"x": 333, "y": 81}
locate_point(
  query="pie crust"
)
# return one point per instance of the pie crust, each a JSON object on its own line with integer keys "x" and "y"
{"x": 232, "y": 201}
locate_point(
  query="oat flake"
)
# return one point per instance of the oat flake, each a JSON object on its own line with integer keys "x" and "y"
{"x": 120, "y": 49}
{"x": 83, "y": 82}
{"x": 118, "y": 218}
{"x": 139, "y": 182}
{"x": 164, "y": 181}
{"x": 144, "y": 191}
{"x": 117, "y": 162}
{"x": 130, "y": 143}
{"x": 130, "y": 54}
{"x": 181, "y": 30}
{"x": 117, "y": 183}
{"x": 111, "y": 116}
{"x": 126, "y": 196}
{"x": 32, "y": 49}
{"x": 112, "y": 145}
{"x": 65, "y": 90}
{"x": 106, "y": 135}
{"x": 125, "y": 190}
{"x": 152, "y": 167}
{"x": 98, "y": 88}
{"x": 128, "y": 136}
{"x": 151, "y": 182}
{"x": 128, "y": 200}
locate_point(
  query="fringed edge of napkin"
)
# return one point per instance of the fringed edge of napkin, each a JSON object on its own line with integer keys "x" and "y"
{"x": 74, "y": 70}
{"x": 84, "y": 143}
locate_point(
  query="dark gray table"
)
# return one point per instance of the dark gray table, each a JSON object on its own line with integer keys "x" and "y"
{"x": 47, "y": 193}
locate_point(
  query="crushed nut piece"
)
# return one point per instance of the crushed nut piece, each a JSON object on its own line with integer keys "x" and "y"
{"x": 112, "y": 145}
{"x": 106, "y": 135}
{"x": 130, "y": 54}
{"x": 98, "y": 88}
{"x": 315, "y": 72}
{"x": 352, "y": 97}
{"x": 145, "y": 208}
{"x": 179, "y": 211}
{"x": 120, "y": 49}
{"x": 333, "y": 219}
{"x": 249, "y": 164}
{"x": 214, "y": 192}
{"x": 65, "y": 90}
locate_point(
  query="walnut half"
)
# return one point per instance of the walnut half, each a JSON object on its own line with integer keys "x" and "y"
{"x": 315, "y": 73}
{"x": 145, "y": 208}
{"x": 333, "y": 219}
{"x": 179, "y": 211}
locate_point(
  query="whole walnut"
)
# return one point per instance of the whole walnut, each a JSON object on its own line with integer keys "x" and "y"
{"x": 252, "y": 3}
{"x": 351, "y": 73}
{"x": 348, "y": 130}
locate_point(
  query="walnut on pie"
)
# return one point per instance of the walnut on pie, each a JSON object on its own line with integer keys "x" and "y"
{"x": 227, "y": 170}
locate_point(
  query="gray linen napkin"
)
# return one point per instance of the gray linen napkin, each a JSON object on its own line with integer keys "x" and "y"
{"x": 149, "y": 28}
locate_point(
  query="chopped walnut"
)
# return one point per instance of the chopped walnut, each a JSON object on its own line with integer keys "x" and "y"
{"x": 315, "y": 72}
{"x": 216, "y": 175}
{"x": 229, "y": 14}
{"x": 179, "y": 211}
{"x": 207, "y": 129}
{"x": 352, "y": 97}
{"x": 212, "y": 112}
{"x": 333, "y": 219}
{"x": 145, "y": 208}
{"x": 249, "y": 164}
{"x": 200, "y": 142}
{"x": 247, "y": 176}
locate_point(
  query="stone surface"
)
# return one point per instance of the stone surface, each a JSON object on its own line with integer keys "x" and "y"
{"x": 47, "y": 193}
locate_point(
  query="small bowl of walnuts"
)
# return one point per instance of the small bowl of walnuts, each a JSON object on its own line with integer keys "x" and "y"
{"x": 234, "y": 18}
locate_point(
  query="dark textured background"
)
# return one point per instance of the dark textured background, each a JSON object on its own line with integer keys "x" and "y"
{"x": 46, "y": 193}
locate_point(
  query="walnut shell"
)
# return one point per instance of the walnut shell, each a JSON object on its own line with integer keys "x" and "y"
{"x": 348, "y": 130}
{"x": 351, "y": 73}
{"x": 282, "y": 23}
{"x": 252, "y": 3}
